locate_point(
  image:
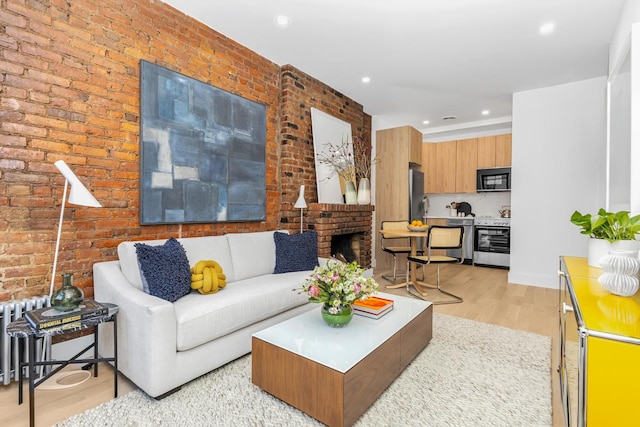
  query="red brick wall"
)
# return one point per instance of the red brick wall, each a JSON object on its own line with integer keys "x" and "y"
{"x": 69, "y": 89}
{"x": 300, "y": 92}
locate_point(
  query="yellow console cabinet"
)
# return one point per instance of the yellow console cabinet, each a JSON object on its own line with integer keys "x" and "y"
{"x": 599, "y": 349}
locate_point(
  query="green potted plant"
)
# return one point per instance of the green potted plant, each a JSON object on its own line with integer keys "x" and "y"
{"x": 606, "y": 229}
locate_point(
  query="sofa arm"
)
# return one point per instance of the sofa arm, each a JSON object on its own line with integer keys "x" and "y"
{"x": 146, "y": 327}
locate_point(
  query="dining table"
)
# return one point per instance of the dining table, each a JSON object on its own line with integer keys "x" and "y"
{"x": 414, "y": 237}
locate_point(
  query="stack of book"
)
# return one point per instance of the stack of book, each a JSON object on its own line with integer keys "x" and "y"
{"x": 374, "y": 307}
{"x": 48, "y": 319}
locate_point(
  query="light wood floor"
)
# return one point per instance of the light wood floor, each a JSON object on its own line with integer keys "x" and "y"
{"x": 487, "y": 298}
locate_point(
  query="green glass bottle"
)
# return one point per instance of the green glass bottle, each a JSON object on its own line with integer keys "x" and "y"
{"x": 68, "y": 297}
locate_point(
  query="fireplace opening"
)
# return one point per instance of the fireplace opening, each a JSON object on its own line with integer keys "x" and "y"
{"x": 346, "y": 247}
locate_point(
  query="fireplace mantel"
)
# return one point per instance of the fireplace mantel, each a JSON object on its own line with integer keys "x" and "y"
{"x": 334, "y": 207}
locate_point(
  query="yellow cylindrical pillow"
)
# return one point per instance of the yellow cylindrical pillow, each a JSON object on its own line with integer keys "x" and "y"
{"x": 207, "y": 277}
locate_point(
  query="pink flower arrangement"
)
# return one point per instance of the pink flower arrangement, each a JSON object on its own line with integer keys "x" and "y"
{"x": 338, "y": 284}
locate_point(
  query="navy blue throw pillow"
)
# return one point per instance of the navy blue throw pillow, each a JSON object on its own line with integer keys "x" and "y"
{"x": 165, "y": 270}
{"x": 298, "y": 252}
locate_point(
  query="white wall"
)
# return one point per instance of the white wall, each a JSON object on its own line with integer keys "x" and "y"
{"x": 558, "y": 158}
{"x": 617, "y": 49}
{"x": 627, "y": 37}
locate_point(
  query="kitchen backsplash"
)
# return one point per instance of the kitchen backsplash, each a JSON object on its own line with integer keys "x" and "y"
{"x": 482, "y": 204}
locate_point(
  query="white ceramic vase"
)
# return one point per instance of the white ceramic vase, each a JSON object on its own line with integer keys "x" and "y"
{"x": 350, "y": 193}
{"x": 620, "y": 275}
{"x": 596, "y": 250}
{"x": 364, "y": 191}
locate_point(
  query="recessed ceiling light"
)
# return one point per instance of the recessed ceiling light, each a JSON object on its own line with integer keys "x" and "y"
{"x": 547, "y": 28}
{"x": 425, "y": 122}
{"x": 485, "y": 112}
{"x": 366, "y": 79}
{"x": 283, "y": 20}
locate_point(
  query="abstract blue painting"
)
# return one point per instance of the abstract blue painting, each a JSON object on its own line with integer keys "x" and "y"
{"x": 202, "y": 151}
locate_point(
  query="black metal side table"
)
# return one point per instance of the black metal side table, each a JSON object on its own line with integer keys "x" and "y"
{"x": 21, "y": 329}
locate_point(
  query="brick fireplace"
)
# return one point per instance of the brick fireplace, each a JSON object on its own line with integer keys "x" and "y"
{"x": 330, "y": 220}
{"x": 299, "y": 93}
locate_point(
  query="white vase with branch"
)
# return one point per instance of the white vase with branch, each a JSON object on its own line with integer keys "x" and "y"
{"x": 363, "y": 166}
{"x": 339, "y": 158}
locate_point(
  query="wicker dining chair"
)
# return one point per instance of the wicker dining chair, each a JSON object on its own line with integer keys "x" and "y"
{"x": 450, "y": 237}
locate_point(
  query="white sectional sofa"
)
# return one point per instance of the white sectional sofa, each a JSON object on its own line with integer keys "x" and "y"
{"x": 162, "y": 345}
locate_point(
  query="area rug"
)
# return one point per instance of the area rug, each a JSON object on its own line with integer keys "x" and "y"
{"x": 471, "y": 374}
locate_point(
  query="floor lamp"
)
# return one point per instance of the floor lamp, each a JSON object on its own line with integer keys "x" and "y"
{"x": 301, "y": 204}
{"x": 78, "y": 195}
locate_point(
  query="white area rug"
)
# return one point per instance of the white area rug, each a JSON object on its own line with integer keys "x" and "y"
{"x": 471, "y": 374}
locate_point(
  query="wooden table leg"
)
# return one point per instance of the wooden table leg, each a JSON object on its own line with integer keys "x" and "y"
{"x": 412, "y": 271}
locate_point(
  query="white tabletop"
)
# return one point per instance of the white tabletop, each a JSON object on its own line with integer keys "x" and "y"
{"x": 341, "y": 348}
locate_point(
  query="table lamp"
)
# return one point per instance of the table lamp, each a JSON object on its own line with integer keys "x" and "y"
{"x": 301, "y": 204}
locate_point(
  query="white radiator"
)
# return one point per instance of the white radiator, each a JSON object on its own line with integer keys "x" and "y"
{"x": 9, "y": 347}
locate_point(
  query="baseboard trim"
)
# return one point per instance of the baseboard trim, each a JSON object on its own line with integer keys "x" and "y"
{"x": 541, "y": 281}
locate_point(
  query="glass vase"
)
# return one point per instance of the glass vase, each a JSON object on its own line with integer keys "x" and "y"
{"x": 337, "y": 317}
{"x": 68, "y": 297}
{"x": 364, "y": 191}
{"x": 350, "y": 193}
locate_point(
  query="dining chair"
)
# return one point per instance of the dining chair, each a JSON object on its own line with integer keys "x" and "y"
{"x": 394, "y": 246}
{"x": 450, "y": 238}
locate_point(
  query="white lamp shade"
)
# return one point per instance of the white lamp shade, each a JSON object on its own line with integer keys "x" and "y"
{"x": 301, "y": 203}
{"x": 78, "y": 194}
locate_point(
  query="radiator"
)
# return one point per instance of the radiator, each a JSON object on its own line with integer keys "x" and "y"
{"x": 10, "y": 347}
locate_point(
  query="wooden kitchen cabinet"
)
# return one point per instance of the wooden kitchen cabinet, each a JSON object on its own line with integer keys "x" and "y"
{"x": 487, "y": 151}
{"x": 599, "y": 349}
{"x": 466, "y": 165}
{"x": 415, "y": 145}
{"x": 396, "y": 148}
{"x": 430, "y": 167}
{"x": 450, "y": 167}
{"x": 494, "y": 151}
{"x": 503, "y": 150}
{"x": 439, "y": 167}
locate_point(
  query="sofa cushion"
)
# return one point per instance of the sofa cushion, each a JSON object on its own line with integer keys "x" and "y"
{"x": 207, "y": 277}
{"x": 298, "y": 252}
{"x": 252, "y": 254}
{"x": 197, "y": 249}
{"x": 203, "y": 318}
{"x": 165, "y": 270}
{"x": 129, "y": 261}
{"x": 209, "y": 247}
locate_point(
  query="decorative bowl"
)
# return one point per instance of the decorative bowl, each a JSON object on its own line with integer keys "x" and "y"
{"x": 417, "y": 228}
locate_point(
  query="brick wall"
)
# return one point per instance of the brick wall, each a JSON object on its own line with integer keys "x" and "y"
{"x": 300, "y": 92}
{"x": 333, "y": 220}
{"x": 69, "y": 89}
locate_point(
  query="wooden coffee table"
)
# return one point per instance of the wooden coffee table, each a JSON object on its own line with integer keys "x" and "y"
{"x": 335, "y": 374}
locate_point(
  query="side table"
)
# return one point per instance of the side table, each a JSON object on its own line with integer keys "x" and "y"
{"x": 21, "y": 329}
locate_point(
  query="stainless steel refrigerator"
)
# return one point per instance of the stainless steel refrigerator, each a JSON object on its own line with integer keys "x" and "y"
{"x": 417, "y": 204}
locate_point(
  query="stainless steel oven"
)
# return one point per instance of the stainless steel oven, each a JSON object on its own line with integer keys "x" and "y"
{"x": 492, "y": 241}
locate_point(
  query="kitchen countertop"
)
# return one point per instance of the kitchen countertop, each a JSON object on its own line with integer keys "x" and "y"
{"x": 448, "y": 217}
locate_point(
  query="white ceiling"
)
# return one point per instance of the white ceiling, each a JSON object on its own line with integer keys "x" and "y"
{"x": 427, "y": 59}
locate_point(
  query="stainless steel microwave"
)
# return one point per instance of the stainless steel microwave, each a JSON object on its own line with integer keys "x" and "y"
{"x": 493, "y": 179}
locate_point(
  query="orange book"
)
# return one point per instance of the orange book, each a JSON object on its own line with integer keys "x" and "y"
{"x": 373, "y": 304}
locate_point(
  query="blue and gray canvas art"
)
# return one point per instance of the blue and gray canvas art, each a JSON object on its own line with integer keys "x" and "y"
{"x": 202, "y": 154}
